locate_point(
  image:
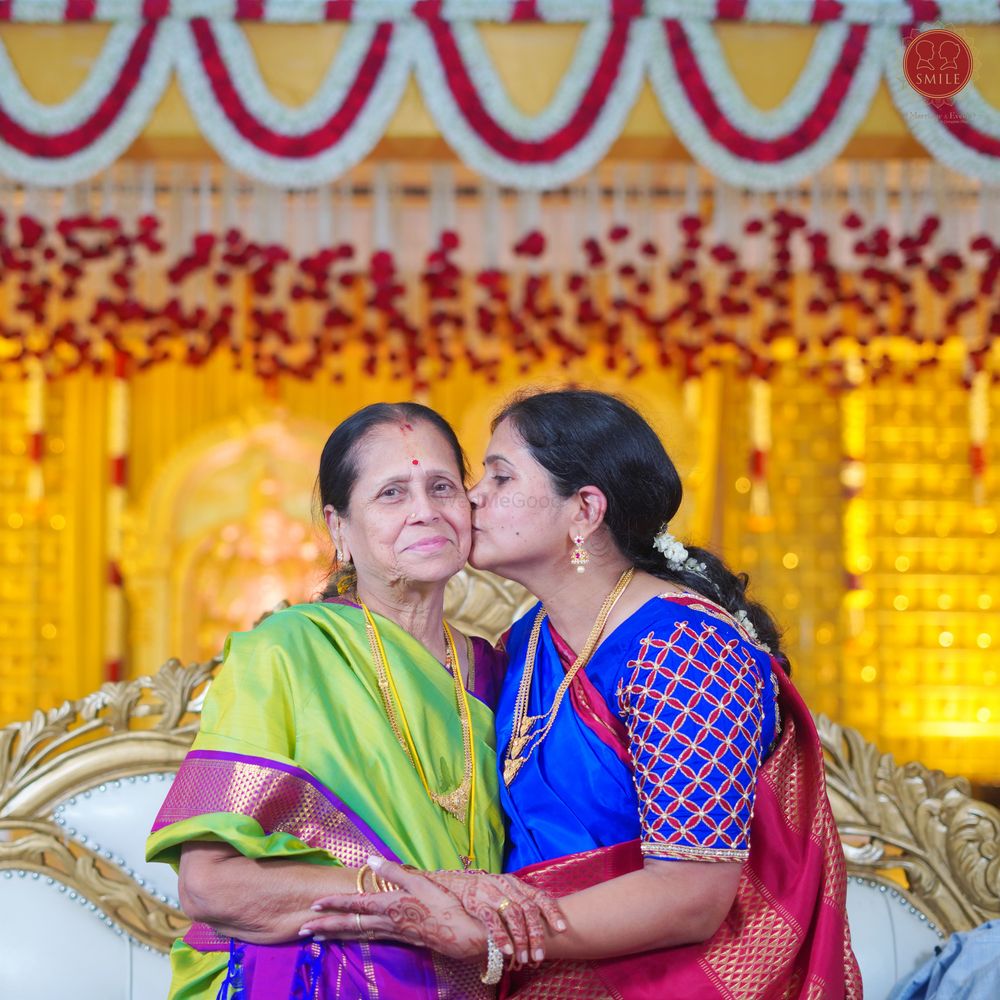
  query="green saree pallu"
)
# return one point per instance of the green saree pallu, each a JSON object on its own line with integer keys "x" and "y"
{"x": 296, "y": 758}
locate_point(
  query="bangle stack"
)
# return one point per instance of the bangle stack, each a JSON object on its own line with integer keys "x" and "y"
{"x": 378, "y": 884}
{"x": 494, "y": 963}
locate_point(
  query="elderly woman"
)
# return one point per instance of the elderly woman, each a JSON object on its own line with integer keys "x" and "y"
{"x": 358, "y": 726}
{"x": 657, "y": 769}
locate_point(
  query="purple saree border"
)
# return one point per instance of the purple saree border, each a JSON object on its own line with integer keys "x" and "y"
{"x": 296, "y": 772}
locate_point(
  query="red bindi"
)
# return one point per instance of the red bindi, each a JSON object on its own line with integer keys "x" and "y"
{"x": 415, "y": 462}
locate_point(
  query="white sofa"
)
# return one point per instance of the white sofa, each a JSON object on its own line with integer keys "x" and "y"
{"x": 82, "y": 915}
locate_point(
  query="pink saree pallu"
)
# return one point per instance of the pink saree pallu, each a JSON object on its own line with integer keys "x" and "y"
{"x": 786, "y": 935}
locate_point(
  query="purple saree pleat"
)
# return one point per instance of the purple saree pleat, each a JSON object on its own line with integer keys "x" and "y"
{"x": 347, "y": 970}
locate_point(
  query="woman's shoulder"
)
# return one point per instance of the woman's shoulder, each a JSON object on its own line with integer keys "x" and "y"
{"x": 670, "y": 611}
{"x": 287, "y": 627}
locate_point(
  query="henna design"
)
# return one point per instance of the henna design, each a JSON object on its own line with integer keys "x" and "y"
{"x": 519, "y": 930}
{"x": 417, "y": 924}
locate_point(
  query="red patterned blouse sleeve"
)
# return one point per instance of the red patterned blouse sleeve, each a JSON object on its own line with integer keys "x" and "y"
{"x": 692, "y": 703}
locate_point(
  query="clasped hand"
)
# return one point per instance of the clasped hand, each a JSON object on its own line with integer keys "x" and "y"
{"x": 450, "y": 912}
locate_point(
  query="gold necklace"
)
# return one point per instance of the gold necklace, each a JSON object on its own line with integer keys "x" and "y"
{"x": 528, "y": 731}
{"x": 460, "y": 801}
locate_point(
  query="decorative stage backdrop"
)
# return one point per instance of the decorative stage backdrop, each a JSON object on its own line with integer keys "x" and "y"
{"x": 177, "y": 339}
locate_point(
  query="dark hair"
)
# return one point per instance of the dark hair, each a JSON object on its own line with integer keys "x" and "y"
{"x": 584, "y": 437}
{"x": 338, "y": 465}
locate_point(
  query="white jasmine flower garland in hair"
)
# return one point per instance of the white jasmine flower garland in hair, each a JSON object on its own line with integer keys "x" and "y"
{"x": 744, "y": 619}
{"x": 677, "y": 556}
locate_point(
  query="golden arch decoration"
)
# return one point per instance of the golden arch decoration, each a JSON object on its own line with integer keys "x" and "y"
{"x": 223, "y": 533}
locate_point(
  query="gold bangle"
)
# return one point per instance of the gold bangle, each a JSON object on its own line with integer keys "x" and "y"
{"x": 362, "y": 871}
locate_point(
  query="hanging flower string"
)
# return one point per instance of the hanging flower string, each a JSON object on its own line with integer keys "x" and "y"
{"x": 979, "y": 429}
{"x": 856, "y": 515}
{"x": 118, "y": 427}
{"x": 76, "y": 302}
{"x": 760, "y": 444}
{"x": 34, "y": 426}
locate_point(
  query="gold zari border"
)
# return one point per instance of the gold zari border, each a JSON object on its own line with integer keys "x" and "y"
{"x": 679, "y": 852}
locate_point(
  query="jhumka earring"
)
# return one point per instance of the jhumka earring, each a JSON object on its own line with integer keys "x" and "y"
{"x": 580, "y": 555}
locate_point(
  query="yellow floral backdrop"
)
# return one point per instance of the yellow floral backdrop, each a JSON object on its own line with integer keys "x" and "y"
{"x": 218, "y": 526}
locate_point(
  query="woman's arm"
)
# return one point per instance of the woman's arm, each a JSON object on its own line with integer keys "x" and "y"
{"x": 263, "y": 901}
{"x": 665, "y": 903}
{"x": 447, "y": 911}
{"x": 266, "y": 901}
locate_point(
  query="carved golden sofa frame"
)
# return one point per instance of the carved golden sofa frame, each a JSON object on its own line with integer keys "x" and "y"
{"x": 916, "y": 843}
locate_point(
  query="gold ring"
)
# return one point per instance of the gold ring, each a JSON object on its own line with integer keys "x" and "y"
{"x": 357, "y": 920}
{"x": 502, "y": 905}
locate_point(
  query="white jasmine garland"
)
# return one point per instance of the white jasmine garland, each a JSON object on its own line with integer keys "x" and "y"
{"x": 743, "y": 618}
{"x": 675, "y": 105}
{"x": 673, "y": 550}
{"x": 52, "y": 119}
{"x": 647, "y": 58}
{"x": 606, "y": 126}
{"x": 243, "y": 154}
{"x": 677, "y": 556}
{"x": 921, "y": 120}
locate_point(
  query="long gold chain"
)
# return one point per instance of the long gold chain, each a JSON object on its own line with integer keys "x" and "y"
{"x": 528, "y": 731}
{"x": 460, "y": 801}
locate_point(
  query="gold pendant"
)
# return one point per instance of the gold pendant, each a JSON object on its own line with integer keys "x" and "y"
{"x": 525, "y": 735}
{"x": 510, "y": 768}
{"x": 528, "y": 723}
{"x": 517, "y": 745}
{"x": 455, "y": 802}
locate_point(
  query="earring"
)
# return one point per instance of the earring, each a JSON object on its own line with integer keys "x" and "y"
{"x": 347, "y": 579}
{"x": 579, "y": 555}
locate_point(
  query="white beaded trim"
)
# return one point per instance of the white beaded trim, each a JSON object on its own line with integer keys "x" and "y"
{"x": 11, "y": 873}
{"x": 871, "y": 883}
{"x": 58, "y": 816}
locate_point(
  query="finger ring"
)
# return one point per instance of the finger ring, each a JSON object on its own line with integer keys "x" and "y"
{"x": 357, "y": 920}
{"x": 502, "y": 905}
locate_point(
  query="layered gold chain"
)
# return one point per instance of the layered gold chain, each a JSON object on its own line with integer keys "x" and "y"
{"x": 528, "y": 731}
{"x": 460, "y": 801}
